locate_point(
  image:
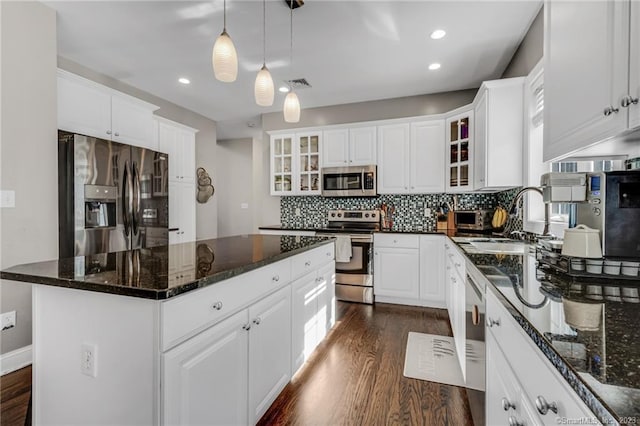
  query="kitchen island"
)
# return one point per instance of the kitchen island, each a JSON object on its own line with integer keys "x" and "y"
{"x": 203, "y": 332}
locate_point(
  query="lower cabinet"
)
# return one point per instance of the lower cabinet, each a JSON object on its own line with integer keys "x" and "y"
{"x": 409, "y": 269}
{"x": 522, "y": 386}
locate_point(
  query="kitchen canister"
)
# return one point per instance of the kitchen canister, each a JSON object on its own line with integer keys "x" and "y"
{"x": 582, "y": 241}
{"x": 594, "y": 266}
{"x": 612, "y": 267}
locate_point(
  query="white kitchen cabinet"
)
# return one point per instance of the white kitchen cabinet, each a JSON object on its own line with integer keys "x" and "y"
{"x": 534, "y": 375}
{"x": 634, "y": 65}
{"x": 396, "y": 266}
{"x": 498, "y": 134}
{"x": 269, "y": 351}
{"x": 349, "y": 147}
{"x": 328, "y": 274}
{"x": 410, "y": 157}
{"x": 178, "y": 142}
{"x": 459, "y": 151}
{"x": 182, "y": 261}
{"x": 295, "y": 163}
{"x": 587, "y": 91}
{"x": 205, "y": 379}
{"x": 432, "y": 284}
{"x": 92, "y": 109}
{"x": 455, "y": 293}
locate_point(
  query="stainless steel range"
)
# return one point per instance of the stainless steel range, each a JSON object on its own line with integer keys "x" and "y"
{"x": 354, "y": 279}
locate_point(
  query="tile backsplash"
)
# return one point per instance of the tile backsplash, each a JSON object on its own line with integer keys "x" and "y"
{"x": 410, "y": 209}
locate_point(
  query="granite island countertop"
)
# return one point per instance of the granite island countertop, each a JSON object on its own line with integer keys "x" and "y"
{"x": 598, "y": 357}
{"x": 145, "y": 273}
{"x": 405, "y": 230}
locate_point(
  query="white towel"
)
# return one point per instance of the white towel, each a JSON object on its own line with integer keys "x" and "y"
{"x": 343, "y": 248}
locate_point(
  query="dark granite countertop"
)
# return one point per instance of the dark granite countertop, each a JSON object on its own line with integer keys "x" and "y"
{"x": 448, "y": 232}
{"x": 590, "y": 332}
{"x": 118, "y": 273}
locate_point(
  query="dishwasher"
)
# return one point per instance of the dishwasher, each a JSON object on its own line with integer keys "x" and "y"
{"x": 475, "y": 345}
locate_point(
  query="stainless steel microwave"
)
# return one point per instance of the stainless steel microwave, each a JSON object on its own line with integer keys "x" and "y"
{"x": 354, "y": 181}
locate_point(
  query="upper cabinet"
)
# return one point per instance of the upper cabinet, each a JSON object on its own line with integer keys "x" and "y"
{"x": 411, "y": 157}
{"x": 91, "y": 109}
{"x": 498, "y": 134}
{"x": 295, "y": 163}
{"x": 349, "y": 147}
{"x": 591, "y": 73}
{"x": 459, "y": 156}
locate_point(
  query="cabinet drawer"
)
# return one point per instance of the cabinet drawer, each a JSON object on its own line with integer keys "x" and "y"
{"x": 187, "y": 315}
{"x": 311, "y": 260}
{"x": 537, "y": 375}
{"x": 397, "y": 241}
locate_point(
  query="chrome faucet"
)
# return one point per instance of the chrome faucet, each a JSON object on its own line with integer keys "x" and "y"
{"x": 513, "y": 208}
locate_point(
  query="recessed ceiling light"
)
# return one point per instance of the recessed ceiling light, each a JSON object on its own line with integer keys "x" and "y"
{"x": 283, "y": 89}
{"x": 438, "y": 34}
{"x": 184, "y": 80}
{"x": 434, "y": 67}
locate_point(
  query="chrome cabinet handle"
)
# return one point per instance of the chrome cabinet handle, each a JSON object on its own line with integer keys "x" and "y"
{"x": 491, "y": 322}
{"x": 257, "y": 321}
{"x": 457, "y": 264}
{"x": 515, "y": 422}
{"x": 217, "y": 306}
{"x": 275, "y": 278}
{"x": 319, "y": 279}
{"x": 628, "y": 100}
{"x": 453, "y": 280}
{"x": 543, "y": 406}
{"x": 507, "y": 405}
{"x": 610, "y": 110}
{"x": 117, "y": 134}
{"x": 395, "y": 241}
{"x": 307, "y": 263}
{"x": 108, "y": 132}
{"x": 246, "y": 327}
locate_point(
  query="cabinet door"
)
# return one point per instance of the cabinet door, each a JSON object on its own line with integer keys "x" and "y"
{"x": 393, "y": 159}
{"x": 205, "y": 378}
{"x": 362, "y": 146}
{"x": 168, "y": 142}
{"x": 459, "y": 153}
{"x": 187, "y": 206}
{"x": 132, "y": 122}
{"x": 187, "y": 144}
{"x": 328, "y": 273}
{"x": 432, "y": 270}
{"x": 427, "y": 159}
{"x": 480, "y": 141}
{"x": 269, "y": 351}
{"x": 634, "y": 65}
{"x": 396, "y": 272}
{"x": 335, "y": 148}
{"x": 282, "y": 165}
{"x": 307, "y": 167}
{"x": 581, "y": 82}
{"x": 83, "y": 108}
{"x": 304, "y": 324}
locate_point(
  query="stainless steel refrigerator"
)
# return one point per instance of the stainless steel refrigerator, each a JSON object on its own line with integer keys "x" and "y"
{"x": 112, "y": 196}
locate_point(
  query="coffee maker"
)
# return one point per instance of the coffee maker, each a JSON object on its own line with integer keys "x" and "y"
{"x": 612, "y": 206}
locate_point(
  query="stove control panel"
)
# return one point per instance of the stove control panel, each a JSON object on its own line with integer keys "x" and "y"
{"x": 353, "y": 215}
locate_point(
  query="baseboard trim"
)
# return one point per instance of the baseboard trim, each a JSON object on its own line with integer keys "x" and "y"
{"x": 15, "y": 360}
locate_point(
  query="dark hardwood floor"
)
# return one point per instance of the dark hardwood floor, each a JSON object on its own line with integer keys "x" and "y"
{"x": 355, "y": 376}
{"x": 15, "y": 390}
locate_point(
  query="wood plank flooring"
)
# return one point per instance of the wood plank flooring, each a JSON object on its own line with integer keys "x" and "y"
{"x": 15, "y": 389}
{"x": 355, "y": 376}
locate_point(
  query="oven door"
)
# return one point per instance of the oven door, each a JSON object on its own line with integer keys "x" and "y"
{"x": 358, "y": 268}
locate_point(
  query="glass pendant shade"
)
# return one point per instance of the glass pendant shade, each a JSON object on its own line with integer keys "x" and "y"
{"x": 263, "y": 89}
{"x": 291, "y": 108}
{"x": 225, "y": 59}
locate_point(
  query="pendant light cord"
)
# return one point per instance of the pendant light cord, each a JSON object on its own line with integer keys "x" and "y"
{"x": 224, "y": 14}
{"x": 291, "y": 34}
{"x": 264, "y": 33}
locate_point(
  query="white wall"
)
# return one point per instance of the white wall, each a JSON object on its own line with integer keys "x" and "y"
{"x": 206, "y": 214}
{"x": 234, "y": 186}
{"x": 28, "y": 152}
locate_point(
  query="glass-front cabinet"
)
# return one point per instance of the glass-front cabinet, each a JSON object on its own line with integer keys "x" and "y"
{"x": 460, "y": 152}
{"x": 295, "y": 164}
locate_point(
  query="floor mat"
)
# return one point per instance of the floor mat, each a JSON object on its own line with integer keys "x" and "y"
{"x": 433, "y": 358}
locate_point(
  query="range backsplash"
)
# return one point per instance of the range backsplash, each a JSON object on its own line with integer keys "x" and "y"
{"x": 409, "y": 214}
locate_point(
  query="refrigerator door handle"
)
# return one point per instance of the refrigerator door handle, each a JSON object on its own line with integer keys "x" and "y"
{"x": 135, "y": 210}
{"x": 126, "y": 198}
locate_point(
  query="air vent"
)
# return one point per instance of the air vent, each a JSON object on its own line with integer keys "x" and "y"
{"x": 298, "y": 83}
{"x": 294, "y": 4}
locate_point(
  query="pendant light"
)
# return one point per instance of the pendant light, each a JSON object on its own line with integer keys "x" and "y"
{"x": 224, "y": 57}
{"x": 291, "y": 102}
{"x": 263, "y": 89}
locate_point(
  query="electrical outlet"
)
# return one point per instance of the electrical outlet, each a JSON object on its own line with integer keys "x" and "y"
{"x": 8, "y": 320}
{"x": 7, "y": 199}
{"x": 427, "y": 211}
{"x": 89, "y": 359}
{"x": 298, "y": 211}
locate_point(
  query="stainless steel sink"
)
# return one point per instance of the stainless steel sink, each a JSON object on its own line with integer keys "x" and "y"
{"x": 505, "y": 247}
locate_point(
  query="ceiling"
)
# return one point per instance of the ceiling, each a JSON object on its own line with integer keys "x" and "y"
{"x": 349, "y": 51}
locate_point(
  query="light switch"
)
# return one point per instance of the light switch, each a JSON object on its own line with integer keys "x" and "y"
{"x": 7, "y": 199}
